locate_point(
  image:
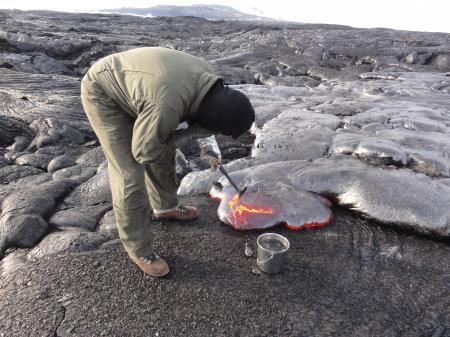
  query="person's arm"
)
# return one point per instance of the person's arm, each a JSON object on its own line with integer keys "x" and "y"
{"x": 209, "y": 149}
{"x": 153, "y": 132}
{"x": 184, "y": 136}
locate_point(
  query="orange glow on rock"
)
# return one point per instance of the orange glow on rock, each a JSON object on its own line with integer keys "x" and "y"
{"x": 217, "y": 199}
{"x": 239, "y": 209}
{"x": 311, "y": 225}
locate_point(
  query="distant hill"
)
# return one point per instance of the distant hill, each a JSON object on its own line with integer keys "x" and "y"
{"x": 210, "y": 12}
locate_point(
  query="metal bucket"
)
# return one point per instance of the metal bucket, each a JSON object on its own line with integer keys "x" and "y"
{"x": 271, "y": 252}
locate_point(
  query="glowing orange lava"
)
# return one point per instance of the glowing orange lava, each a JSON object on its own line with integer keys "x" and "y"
{"x": 240, "y": 209}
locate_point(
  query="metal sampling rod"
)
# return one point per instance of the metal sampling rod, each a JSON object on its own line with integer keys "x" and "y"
{"x": 240, "y": 192}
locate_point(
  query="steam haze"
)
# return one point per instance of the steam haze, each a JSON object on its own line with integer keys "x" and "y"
{"x": 405, "y": 15}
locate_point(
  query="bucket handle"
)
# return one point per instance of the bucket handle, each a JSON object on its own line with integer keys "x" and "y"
{"x": 266, "y": 260}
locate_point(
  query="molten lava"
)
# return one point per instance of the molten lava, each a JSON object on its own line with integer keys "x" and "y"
{"x": 259, "y": 210}
{"x": 240, "y": 210}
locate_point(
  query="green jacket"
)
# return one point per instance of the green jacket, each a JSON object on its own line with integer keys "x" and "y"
{"x": 159, "y": 88}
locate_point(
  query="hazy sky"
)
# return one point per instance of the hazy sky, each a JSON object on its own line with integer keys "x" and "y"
{"x": 421, "y": 15}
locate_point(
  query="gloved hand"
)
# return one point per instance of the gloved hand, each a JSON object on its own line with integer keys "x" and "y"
{"x": 212, "y": 159}
{"x": 209, "y": 152}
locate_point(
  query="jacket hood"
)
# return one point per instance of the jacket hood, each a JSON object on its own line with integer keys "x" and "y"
{"x": 225, "y": 110}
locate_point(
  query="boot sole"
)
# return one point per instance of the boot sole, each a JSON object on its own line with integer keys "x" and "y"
{"x": 173, "y": 218}
{"x": 154, "y": 275}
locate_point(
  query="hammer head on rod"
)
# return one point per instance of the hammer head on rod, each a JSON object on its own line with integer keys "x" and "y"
{"x": 242, "y": 192}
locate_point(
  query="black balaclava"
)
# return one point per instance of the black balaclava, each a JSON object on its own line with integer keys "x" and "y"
{"x": 225, "y": 110}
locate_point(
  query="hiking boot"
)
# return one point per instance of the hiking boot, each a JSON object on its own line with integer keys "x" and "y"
{"x": 179, "y": 213}
{"x": 152, "y": 265}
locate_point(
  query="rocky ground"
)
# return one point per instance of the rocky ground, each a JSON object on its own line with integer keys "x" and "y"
{"x": 359, "y": 116}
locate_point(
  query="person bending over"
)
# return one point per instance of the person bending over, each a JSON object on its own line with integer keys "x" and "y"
{"x": 135, "y": 101}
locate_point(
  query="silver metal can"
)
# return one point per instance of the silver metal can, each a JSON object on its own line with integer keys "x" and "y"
{"x": 271, "y": 252}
